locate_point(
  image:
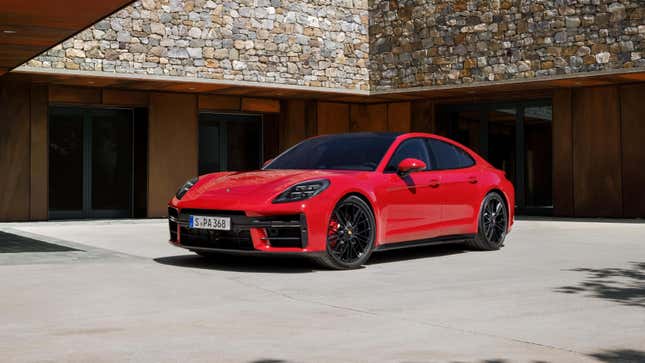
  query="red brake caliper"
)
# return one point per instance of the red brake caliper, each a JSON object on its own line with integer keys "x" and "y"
{"x": 333, "y": 229}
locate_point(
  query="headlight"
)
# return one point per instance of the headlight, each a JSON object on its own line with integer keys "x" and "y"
{"x": 186, "y": 187}
{"x": 302, "y": 191}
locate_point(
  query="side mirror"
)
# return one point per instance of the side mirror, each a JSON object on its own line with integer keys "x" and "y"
{"x": 410, "y": 165}
{"x": 267, "y": 162}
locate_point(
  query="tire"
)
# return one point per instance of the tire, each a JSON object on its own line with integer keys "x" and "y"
{"x": 350, "y": 235}
{"x": 492, "y": 224}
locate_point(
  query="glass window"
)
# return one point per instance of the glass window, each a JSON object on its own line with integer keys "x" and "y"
{"x": 538, "y": 156}
{"x": 336, "y": 152}
{"x": 448, "y": 156}
{"x": 412, "y": 148}
{"x": 229, "y": 142}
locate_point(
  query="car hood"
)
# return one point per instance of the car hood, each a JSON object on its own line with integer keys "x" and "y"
{"x": 258, "y": 185}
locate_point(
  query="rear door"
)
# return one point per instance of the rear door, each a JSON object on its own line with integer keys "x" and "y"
{"x": 412, "y": 203}
{"x": 460, "y": 187}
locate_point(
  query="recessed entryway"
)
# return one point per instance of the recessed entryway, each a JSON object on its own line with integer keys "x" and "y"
{"x": 229, "y": 142}
{"x": 93, "y": 162}
{"x": 515, "y": 137}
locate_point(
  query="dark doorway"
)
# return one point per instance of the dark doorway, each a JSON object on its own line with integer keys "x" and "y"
{"x": 514, "y": 137}
{"x": 229, "y": 142}
{"x": 92, "y": 162}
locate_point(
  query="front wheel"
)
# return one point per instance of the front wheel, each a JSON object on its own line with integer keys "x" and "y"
{"x": 350, "y": 235}
{"x": 493, "y": 224}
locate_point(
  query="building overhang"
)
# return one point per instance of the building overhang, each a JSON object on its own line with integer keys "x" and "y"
{"x": 478, "y": 91}
{"x": 28, "y": 28}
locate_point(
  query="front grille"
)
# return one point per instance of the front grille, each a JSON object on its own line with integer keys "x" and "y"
{"x": 226, "y": 240}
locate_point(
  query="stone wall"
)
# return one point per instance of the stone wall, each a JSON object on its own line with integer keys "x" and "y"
{"x": 310, "y": 43}
{"x": 437, "y": 42}
{"x": 348, "y": 44}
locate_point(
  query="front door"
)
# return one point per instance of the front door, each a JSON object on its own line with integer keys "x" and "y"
{"x": 90, "y": 163}
{"x": 412, "y": 203}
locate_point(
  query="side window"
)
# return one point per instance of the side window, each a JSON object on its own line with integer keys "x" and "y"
{"x": 411, "y": 148}
{"x": 448, "y": 156}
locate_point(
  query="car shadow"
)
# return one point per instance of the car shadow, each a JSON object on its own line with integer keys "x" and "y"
{"x": 298, "y": 264}
{"x": 240, "y": 263}
{"x": 413, "y": 253}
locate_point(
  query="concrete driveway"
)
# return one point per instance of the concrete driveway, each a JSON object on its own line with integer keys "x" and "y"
{"x": 559, "y": 291}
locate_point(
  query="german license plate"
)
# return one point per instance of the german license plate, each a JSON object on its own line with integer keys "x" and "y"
{"x": 204, "y": 222}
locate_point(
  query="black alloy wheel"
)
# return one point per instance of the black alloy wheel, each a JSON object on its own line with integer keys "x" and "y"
{"x": 350, "y": 234}
{"x": 493, "y": 224}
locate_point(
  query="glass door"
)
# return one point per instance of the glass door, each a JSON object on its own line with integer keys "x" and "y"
{"x": 91, "y": 162}
{"x": 514, "y": 137}
{"x": 229, "y": 142}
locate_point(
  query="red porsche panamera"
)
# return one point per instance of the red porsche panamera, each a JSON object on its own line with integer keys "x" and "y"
{"x": 338, "y": 198}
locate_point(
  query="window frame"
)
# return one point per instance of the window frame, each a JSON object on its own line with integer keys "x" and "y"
{"x": 430, "y": 151}
{"x": 425, "y": 144}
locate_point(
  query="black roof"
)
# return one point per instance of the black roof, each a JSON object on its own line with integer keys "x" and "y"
{"x": 391, "y": 135}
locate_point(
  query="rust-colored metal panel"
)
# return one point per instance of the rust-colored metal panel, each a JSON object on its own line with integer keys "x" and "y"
{"x": 39, "y": 156}
{"x": 265, "y": 105}
{"x": 293, "y": 125}
{"x": 270, "y": 136}
{"x": 14, "y": 151}
{"x": 172, "y": 146}
{"x": 562, "y": 154}
{"x": 398, "y": 116}
{"x": 219, "y": 103}
{"x": 332, "y": 118}
{"x": 597, "y": 188}
{"x": 633, "y": 151}
{"x": 76, "y": 95}
{"x": 377, "y": 116}
{"x": 358, "y": 118}
{"x": 422, "y": 117}
{"x": 116, "y": 97}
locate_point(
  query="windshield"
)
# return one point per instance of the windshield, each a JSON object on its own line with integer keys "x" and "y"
{"x": 336, "y": 152}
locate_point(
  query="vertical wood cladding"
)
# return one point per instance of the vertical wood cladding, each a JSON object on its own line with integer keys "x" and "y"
{"x": 39, "y": 168}
{"x": 336, "y": 118}
{"x": 368, "y": 117}
{"x": 398, "y": 116}
{"x": 173, "y": 145}
{"x": 597, "y": 152}
{"x": 293, "y": 127}
{"x": 270, "y": 136}
{"x": 332, "y": 118}
{"x": 14, "y": 151}
{"x": 562, "y": 154}
{"x": 633, "y": 150}
{"x": 422, "y": 118}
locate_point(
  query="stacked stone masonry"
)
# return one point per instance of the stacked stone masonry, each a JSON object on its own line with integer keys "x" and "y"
{"x": 428, "y": 43}
{"x": 353, "y": 44}
{"x": 320, "y": 43}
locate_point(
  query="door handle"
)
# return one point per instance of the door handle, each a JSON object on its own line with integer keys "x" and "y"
{"x": 473, "y": 180}
{"x": 434, "y": 183}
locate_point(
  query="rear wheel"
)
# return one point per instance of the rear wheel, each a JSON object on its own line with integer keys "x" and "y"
{"x": 350, "y": 235}
{"x": 493, "y": 223}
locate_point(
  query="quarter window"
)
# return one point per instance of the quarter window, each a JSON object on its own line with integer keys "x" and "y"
{"x": 448, "y": 156}
{"x": 411, "y": 148}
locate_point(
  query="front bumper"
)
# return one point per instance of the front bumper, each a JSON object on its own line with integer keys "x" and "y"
{"x": 294, "y": 228}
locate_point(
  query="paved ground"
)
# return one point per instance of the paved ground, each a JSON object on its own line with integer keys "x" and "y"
{"x": 558, "y": 292}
